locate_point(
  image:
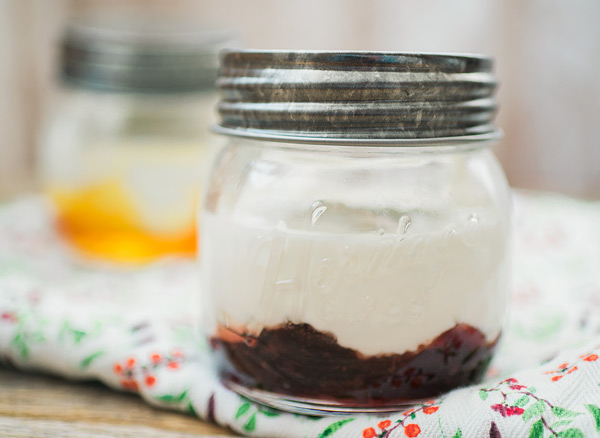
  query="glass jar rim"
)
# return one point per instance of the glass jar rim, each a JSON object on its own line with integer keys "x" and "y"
{"x": 285, "y": 137}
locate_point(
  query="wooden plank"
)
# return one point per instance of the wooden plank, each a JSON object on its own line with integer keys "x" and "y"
{"x": 50, "y": 403}
{"x": 25, "y": 428}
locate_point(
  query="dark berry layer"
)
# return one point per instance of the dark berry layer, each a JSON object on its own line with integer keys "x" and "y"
{"x": 297, "y": 360}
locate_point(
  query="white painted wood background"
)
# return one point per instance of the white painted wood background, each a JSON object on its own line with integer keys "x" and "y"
{"x": 547, "y": 51}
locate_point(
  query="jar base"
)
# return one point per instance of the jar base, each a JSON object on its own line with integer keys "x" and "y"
{"x": 316, "y": 407}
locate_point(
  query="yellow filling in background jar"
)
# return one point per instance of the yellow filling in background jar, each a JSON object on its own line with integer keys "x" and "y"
{"x": 101, "y": 220}
{"x": 130, "y": 202}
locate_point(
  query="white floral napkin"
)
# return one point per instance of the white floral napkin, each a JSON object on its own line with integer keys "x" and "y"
{"x": 135, "y": 331}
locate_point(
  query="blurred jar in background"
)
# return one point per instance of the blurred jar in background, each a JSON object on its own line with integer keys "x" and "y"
{"x": 124, "y": 149}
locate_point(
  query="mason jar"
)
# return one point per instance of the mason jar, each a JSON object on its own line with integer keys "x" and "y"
{"x": 356, "y": 228}
{"x": 123, "y": 153}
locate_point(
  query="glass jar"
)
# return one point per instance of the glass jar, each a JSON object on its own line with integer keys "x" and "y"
{"x": 356, "y": 228}
{"x": 124, "y": 151}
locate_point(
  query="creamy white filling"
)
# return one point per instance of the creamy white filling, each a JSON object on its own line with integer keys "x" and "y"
{"x": 377, "y": 294}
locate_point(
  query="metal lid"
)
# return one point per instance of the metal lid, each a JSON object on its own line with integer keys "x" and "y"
{"x": 356, "y": 97}
{"x": 133, "y": 54}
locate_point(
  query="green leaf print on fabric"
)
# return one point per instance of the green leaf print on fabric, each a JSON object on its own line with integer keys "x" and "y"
{"x": 570, "y": 433}
{"x": 20, "y": 345}
{"x": 190, "y": 409}
{"x": 86, "y": 362}
{"x": 251, "y": 423}
{"x": 269, "y": 412}
{"x": 78, "y": 335}
{"x": 68, "y": 330}
{"x": 522, "y": 401}
{"x": 12, "y": 266}
{"x": 532, "y": 407}
{"x": 560, "y": 423}
{"x": 534, "y": 410}
{"x": 595, "y": 411}
{"x": 170, "y": 398}
{"x": 242, "y": 410}
{"x": 458, "y": 433}
{"x": 246, "y": 407}
{"x": 483, "y": 395}
{"x": 334, "y": 427}
{"x": 30, "y": 330}
{"x": 537, "y": 430}
{"x": 546, "y": 327}
{"x": 563, "y": 413}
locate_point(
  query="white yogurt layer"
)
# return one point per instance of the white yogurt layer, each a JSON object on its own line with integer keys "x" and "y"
{"x": 376, "y": 293}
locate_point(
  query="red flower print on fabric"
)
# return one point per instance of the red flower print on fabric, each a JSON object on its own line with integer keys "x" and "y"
{"x": 565, "y": 368}
{"x": 386, "y": 427}
{"x": 507, "y": 411}
{"x": 133, "y": 370}
{"x": 150, "y": 380}
{"x": 10, "y": 317}
{"x": 514, "y": 399}
{"x": 430, "y": 410}
{"x": 412, "y": 430}
{"x": 384, "y": 424}
{"x": 369, "y": 432}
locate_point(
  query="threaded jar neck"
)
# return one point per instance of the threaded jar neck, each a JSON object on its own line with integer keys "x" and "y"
{"x": 356, "y": 97}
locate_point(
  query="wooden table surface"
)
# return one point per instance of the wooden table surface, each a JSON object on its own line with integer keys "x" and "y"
{"x": 34, "y": 405}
